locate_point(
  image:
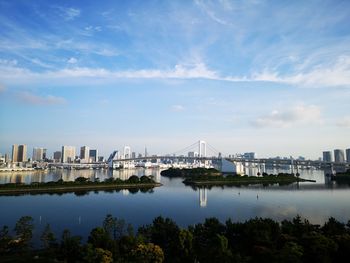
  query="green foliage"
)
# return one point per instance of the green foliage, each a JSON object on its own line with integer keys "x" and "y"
{"x": 48, "y": 237}
{"x": 24, "y": 231}
{"x": 147, "y": 253}
{"x": 134, "y": 179}
{"x": 256, "y": 240}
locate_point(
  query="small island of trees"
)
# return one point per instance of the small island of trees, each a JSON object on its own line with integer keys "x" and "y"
{"x": 80, "y": 183}
{"x": 212, "y": 177}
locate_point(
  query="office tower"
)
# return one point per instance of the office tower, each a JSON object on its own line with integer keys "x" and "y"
{"x": 38, "y": 154}
{"x": 19, "y": 153}
{"x": 57, "y": 156}
{"x": 348, "y": 155}
{"x": 133, "y": 155}
{"x": 15, "y": 153}
{"x": 101, "y": 159}
{"x": 44, "y": 154}
{"x": 68, "y": 154}
{"x": 84, "y": 153}
{"x": 93, "y": 155}
{"x": 327, "y": 156}
{"x": 339, "y": 156}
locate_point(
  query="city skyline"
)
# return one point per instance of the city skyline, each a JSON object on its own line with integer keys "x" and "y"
{"x": 245, "y": 76}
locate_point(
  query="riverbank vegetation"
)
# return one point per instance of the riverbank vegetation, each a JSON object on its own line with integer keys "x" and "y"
{"x": 190, "y": 172}
{"x": 256, "y": 240}
{"x": 211, "y": 177}
{"x": 341, "y": 177}
{"x": 80, "y": 183}
{"x": 281, "y": 178}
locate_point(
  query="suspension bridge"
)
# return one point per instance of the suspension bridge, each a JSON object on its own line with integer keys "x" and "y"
{"x": 202, "y": 154}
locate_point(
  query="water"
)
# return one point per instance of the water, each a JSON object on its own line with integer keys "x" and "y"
{"x": 80, "y": 213}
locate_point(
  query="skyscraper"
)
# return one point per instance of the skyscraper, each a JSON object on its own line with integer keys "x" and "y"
{"x": 38, "y": 154}
{"x": 19, "y": 153}
{"x": 57, "y": 156}
{"x": 68, "y": 154}
{"x": 327, "y": 156}
{"x": 347, "y": 155}
{"x": 84, "y": 154}
{"x": 93, "y": 155}
{"x": 339, "y": 156}
{"x": 15, "y": 153}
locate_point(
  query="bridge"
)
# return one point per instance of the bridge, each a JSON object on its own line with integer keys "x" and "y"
{"x": 202, "y": 154}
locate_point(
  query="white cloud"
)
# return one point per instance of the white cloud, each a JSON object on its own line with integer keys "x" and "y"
{"x": 344, "y": 122}
{"x": 69, "y": 13}
{"x": 284, "y": 118}
{"x": 40, "y": 100}
{"x": 72, "y": 60}
{"x": 177, "y": 108}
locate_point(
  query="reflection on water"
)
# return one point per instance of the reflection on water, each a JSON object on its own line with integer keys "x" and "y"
{"x": 314, "y": 201}
{"x": 71, "y": 175}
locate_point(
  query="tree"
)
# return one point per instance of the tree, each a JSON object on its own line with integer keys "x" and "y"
{"x": 70, "y": 248}
{"x": 148, "y": 253}
{"x": 5, "y": 239}
{"x": 99, "y": 238}
{"x": 134, "y": 179}
{"x": 93, "y": 254}
{"x": 24, "y": 231}
{"x": 48, "y": 237}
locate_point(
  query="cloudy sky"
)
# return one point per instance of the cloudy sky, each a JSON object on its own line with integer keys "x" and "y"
{"x": 266, "y": 76}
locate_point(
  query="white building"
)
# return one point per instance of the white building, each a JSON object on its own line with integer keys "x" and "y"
{"x": 68, "y": 154}
{"x": 38, "y": 154}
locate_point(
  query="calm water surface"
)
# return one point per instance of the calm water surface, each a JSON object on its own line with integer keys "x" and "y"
{"x": 81, "y": 212}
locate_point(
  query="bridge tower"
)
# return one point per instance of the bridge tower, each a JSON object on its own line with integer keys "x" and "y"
{"x": 202, "y": 149}
{"x": 127, "y": 152}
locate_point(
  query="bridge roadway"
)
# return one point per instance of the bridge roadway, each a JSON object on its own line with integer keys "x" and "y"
{"x": 269, "y": 161}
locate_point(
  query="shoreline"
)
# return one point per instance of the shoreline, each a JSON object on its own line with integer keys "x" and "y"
{"x": 72, "y": 188}
{"x": 244, "y": 181}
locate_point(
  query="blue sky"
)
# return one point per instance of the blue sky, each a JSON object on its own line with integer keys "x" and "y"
{"x": 266, "y": 76}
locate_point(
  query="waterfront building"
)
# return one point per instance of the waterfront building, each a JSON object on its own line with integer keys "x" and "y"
{"x": 101, "y": 159}
{"x": 250, "y": 155}
{"x": 133, "y": 155}
{"x": 57, "y": 156}
{"x": 339, "y": 156}
{"x": 68, "y": 154}
{"x": 327, "y": 156}
{"x": 84, "y": 154}
{"x": 38, "y": 154}
{"x": 93, "y": 155}
{"x": 19, "y": 153}
{"x": 347, "y": 155}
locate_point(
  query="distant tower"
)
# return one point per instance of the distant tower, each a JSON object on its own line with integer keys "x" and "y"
{"x": 327, "y": 156}
{"x": 202, "y": 151}
{"x": 146, "y": 153}
{"x": 339, "y": 156}
{"x": 348, "y": 155}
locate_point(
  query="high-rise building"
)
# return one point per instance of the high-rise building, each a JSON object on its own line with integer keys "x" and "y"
{"x": 68, "y": 154}
{"x": 19, "y": 153}
{"x": 15, "y": 153}
{"x": 84, "y": 154}
{"x": 93, "y": 155}
{"x": 339, "y": 156}
{"x": 347, "y": 155}
{"x": 38, "y": 154}
{"x": 327, "y": 156}
{"x": 57, "y": 156}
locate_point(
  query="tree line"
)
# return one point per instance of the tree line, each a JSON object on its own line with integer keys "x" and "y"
{"x": 255, "y": 240}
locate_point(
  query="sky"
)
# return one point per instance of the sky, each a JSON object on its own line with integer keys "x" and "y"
{"x": 271, "y": 77}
